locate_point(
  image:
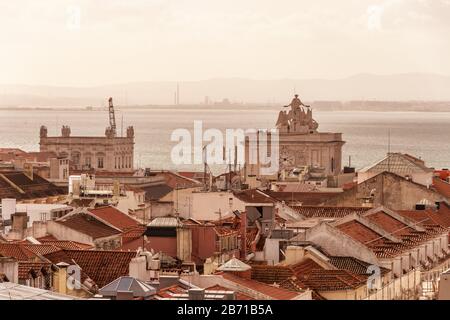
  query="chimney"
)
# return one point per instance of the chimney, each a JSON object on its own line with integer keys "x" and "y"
{"x": 19, "y": 223}
{"x": 116, "y": 188}
{"x": 60, "y": 279}
{"x": 196, "y": 294}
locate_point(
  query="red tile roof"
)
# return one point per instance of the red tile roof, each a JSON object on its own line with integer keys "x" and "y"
{"x": 239, "y": 295}
{"x": 34, "y": 188}
{"x": 17, "y": 251}
{"x": 254, "y": 196}
{"x": 306, "y": 198}
{"x": 41, "y": 249}
{"x": 28, "y": 269}
{"x": 327, "y": 280}
{"x": 429, "y": 216}
{"x": 328, "y": 212}
{"x": 101, "y": 266}
{"x": 305, "y": 267}
{"x": 353, "y": 265}
{"x": 89, "y": 225}
{"x": 265, "y": 289}
{"x": 115, "y": 218}
{"x": 442, "y": 187}
{"x": 271, "y": 274}
{"x": 361, "y": 233}
{"x": 390, "y": 224}
{"x": 67, "y": 244}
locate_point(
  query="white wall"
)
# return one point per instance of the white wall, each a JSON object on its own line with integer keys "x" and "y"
{"x": 205, "y": 205}
{"x": 34, "y": 211}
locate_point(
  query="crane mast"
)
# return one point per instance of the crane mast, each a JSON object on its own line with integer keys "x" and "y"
{"x": 112, "y": 117}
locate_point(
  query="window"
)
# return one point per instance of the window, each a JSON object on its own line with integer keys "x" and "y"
{"x": 100, "y": 163}
{"x": 88, "y": 161}
{"x": 332, "y": 165}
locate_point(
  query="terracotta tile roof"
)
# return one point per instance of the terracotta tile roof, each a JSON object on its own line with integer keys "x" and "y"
{"x": 239, "y": 295}
{"x": 271, "y": 274}
{"x": 250, "y": 238}
{"x": 361, "y": 233}
{"x": 87, "y": 224}
{"x": 442, "y": 187}
{"x": 294, "y": 285}
{"x": 305, "y": 267}
{"x": 225, "y": 231}
{"x": 328, "y": 212}
{"x": 254, "y": 196}
{"x": 177, "y": 181}
{"x": 383, "y": 247}
{"x": 67, "y": 244}
{"x": 168, "y": 292}
{"x": 298, "y": 187}
{"x": 327, "y": 280}
{"x": 115, "y": 218}
{"x": 133, "y": 234}
{"x": 29, "y": 269}
{"x": 390, "y": 224}
{"x": 305, "y": 198}
{"x": 41, "y": 249}
{"x": 353, "y": 265}
{"x": 401, "y": 164}
{"x": 156, "y": 192}
{"x": 429, "y": 216}
{"x": 101, "y": 266}
{"x": 34, "y": 188}
{"x": 268, "y": 290}
{"x": 17, "y": 251}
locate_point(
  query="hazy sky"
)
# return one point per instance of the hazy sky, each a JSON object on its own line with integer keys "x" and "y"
{"x": 92, "y": 42}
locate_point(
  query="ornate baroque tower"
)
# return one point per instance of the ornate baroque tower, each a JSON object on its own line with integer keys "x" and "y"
{"x": 300, "y": 144}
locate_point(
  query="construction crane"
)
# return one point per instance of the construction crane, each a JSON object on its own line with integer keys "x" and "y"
{"x": 112, "y": 117}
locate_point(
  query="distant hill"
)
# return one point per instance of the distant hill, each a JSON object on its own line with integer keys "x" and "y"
{"x": 363, "y": 87}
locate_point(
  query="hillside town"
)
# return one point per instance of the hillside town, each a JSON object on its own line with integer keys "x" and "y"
{"x": 79, "y": 221}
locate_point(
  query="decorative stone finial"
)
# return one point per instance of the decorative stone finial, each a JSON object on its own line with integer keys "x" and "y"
{"x": 298, "y": 120}
{"x": 43, "y": 132}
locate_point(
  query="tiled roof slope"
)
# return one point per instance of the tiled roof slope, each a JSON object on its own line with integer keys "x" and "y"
{"x": 401, "y": 164}
{"x": 353, "y": 265}
{"x": 442, "y": 187}
{"x": 34, "y": 188}
{"x": 267, "y": 290}
{"x": 115, "y": 217}
{"x": 328, "y": 212}
{"x": 87, "y": 224}
{"x": 101, "y": 266}
{"x": 29, "y": 269}
{"x": 326, "y": 280}
{"x": 17, "y": 251}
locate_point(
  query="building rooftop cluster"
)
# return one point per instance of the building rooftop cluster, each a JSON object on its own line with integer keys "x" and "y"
{"x": 108, "y": 231}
